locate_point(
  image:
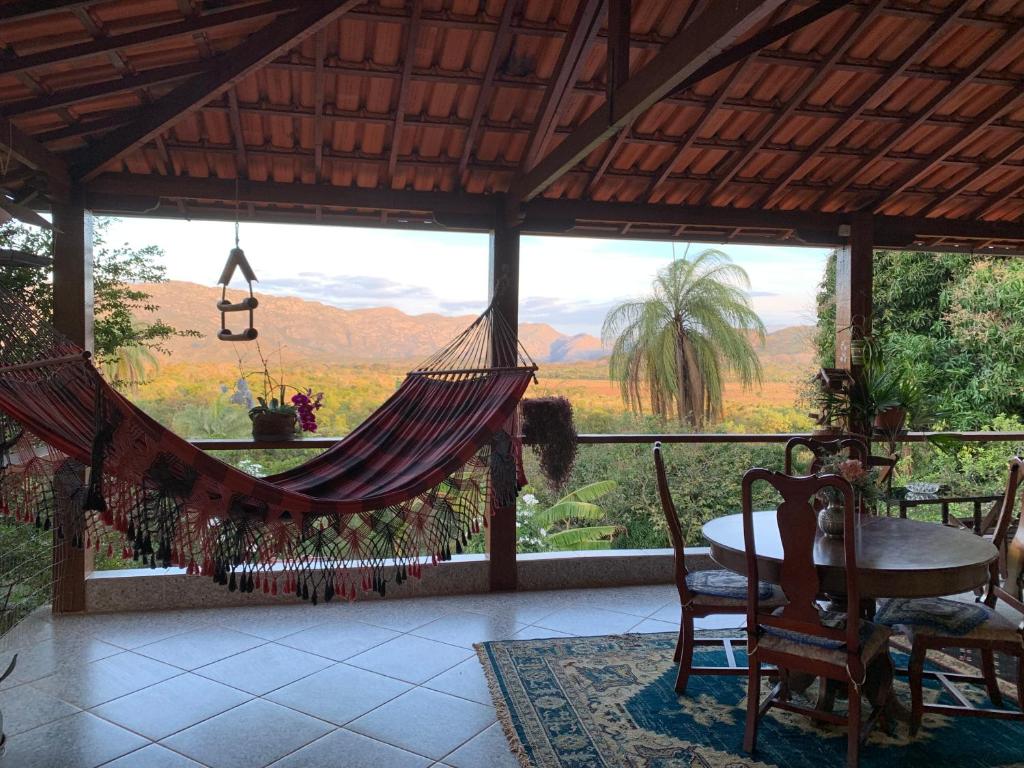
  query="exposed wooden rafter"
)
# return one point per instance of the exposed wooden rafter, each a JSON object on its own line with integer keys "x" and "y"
{"x": 112, "y": 43}
{"x": 413, "y": 33}
{"x": 693, "y": 48}
{"x": 993, "y": 204}
{"x": 263, "y": 46}
{"x": 16, "y": 144}
{"x": 754, "y": 145}
{"x": 499, "y": 52}
{"x": 570, "y": 60}
{"x": 877, "y": 93}
{"x": 981, "y": 123}
{"x": 986, "y": 167}
{"x": 319, "y": 86}
{"x": 990, "y": 54}
{"x": 619, "y": 19}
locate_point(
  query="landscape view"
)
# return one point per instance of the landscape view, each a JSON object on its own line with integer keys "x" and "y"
{"x": 947, "y": 339}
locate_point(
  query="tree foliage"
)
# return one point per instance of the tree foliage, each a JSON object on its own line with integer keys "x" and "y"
{"x": 124, "y": 345}
{"x": 953, "y": 323}
{"x": 679, "y": 342}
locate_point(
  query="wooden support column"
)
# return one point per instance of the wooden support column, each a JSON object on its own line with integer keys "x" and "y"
{"x": 854, "y": 305}
{"x": 73, "y": 316}
{"x": 504, "y": 289}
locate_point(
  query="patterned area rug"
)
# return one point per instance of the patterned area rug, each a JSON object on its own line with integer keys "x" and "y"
{"x": 608, "y": 702}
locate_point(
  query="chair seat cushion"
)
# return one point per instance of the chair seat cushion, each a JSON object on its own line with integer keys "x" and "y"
{"x": 873, "y": 640}
{"x": 722, "y": 583}
{"x": 936, "y": 618}
{"x": 937, "y": 615}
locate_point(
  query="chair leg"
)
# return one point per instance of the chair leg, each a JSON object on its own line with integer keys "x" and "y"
{"x": 853, "y": 729}
{"x": 988, "y": 671}
{"x": 686, "y": 656}
{"x": 916, "y": 669}
{"x": 753, "y": 704}
{"x": 679, "y": 639}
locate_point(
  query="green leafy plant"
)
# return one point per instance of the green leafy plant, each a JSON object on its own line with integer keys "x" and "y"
{"x": 568, "y": 524}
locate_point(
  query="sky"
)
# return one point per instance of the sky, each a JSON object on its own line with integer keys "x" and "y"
{"x": 568, "y": 282}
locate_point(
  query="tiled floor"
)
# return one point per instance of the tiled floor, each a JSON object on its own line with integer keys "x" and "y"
{"x": 383, "y": 684}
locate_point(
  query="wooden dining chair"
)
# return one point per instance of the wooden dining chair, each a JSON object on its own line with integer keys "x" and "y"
{"x": 801, "y": 637}
{"x": 853, "y": 447}
{"x": 942, "y": 623}
{"x": 701, "y": 593}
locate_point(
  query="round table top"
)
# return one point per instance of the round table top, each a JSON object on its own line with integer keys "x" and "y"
{"x": 895, "y": 557}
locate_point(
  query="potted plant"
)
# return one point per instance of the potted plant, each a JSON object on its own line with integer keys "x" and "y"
{"x": 275, "y": 416}
{"x": 884, "y": 398}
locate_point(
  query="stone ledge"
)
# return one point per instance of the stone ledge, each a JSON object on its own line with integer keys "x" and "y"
{"x": 141, "y": 589}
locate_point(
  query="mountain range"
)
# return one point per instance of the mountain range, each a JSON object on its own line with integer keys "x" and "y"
{"x": 313, "y": 331}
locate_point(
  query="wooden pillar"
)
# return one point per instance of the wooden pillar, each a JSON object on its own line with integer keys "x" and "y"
{"x": 854, "y": 305}
{"x": 504, "y": 288}
{"x": 73, "y": 316}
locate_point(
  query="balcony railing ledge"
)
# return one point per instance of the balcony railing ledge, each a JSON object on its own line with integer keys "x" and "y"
{"x": 144, "y": 589}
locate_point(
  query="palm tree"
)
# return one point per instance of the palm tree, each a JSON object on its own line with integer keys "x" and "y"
{"x": 130, "y": 367}
{"x": 679, "y": 341}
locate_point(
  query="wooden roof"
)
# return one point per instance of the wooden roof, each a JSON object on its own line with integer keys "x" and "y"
{"x": 420, "y": 113}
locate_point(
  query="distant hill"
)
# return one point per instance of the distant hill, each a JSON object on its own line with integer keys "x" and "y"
{"x": 312, "y": 331}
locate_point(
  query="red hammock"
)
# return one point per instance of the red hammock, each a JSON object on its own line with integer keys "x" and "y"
{"x": 402, "y": 489}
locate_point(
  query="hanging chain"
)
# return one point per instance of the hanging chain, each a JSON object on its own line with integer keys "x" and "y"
{"x": 236, "y": 210}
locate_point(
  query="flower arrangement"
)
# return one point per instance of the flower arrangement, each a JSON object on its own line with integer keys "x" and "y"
{"x": 273, "y": 413}
{"x": 863, "y": 480}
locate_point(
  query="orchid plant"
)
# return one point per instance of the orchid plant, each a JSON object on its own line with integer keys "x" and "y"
{"x": 303, "y": 402}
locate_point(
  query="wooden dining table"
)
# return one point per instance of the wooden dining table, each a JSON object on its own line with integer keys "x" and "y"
{"x": 896, "y": 557}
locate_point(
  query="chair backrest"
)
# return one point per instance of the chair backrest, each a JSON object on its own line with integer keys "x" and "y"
{"x": 675, "y": 530}
{"x": 798, "y": 528}
{"x": 1014, "y": 548}
{"x": 854, "y": 447}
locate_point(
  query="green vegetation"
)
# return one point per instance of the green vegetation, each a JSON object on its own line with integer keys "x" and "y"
{"x": 676, "y": 345}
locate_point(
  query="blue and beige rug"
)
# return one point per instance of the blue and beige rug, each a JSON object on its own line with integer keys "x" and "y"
{"x": 608, "y": 702}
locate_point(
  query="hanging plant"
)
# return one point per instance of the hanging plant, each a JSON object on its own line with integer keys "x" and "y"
{"x": 549, "y": 430}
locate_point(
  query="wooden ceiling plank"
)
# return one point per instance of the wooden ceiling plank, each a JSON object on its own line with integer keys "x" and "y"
{"x": 110, "y": 43}
{"x": 320, "y": 53}
{"x": 499, "y": 52}
{"x": 985, "y": 168}
{"x": 996, "y": 49}
{"x": 693, "y": 51}
{"x": 412, "y": 36}
{"x": 771, "y": 125}
{"x": 958, "y": 142}
{"x": 261, "y": 47}
{"x": 570, "y": 60}
{"x": 877, "y": 92}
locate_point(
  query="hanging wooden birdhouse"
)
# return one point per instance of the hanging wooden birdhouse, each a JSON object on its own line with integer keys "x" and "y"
{"x": 236, "y": 260}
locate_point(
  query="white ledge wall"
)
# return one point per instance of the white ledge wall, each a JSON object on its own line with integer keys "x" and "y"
{"x": 145, "y": 589}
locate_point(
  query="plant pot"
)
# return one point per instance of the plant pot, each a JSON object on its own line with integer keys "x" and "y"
{"x": 831, "y": 520}
{"x": 827, "y": 432}
{"x": 890, "y": 420}
{"x": 273, "y": 427}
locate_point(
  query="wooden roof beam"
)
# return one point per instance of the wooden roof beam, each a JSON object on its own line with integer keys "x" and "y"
{"x": 320, "y": 53}
{"x": 18, "y": 145}
{"x": 499, "y": 52}
{"x": 996, "y": 49}
{"x": 1000, "y": 199}
{"x": 693, "y": 48}
{"x": 113, "y": 43}
{"x": 412, "y": 35}
{"x": 986, "y": 168}
{"x": 981, "y": 123}
{"x": 878, "y": 92}
{"x": 806, "y": 89}
{"x": 570, "y": 60}
{"x": 263, "y": 46}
